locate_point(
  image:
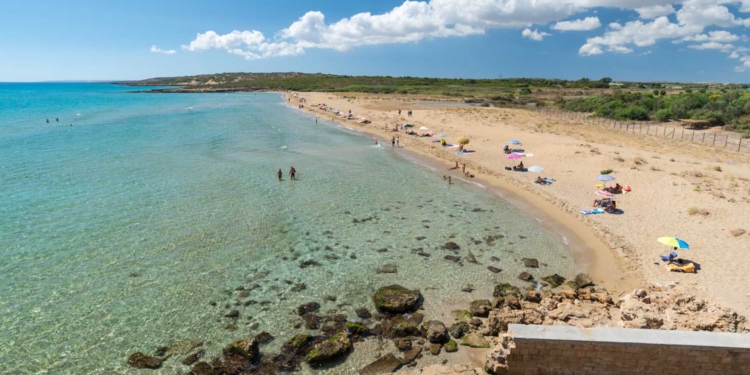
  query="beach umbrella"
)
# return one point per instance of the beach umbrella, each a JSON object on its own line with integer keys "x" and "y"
{"x": 536, "y": 169}
{"x": 423, "y": 128}
{"x": 674, "y": 242}
{"x": 407, "y": 126}
{"x": 463, "y": 141}
{"x": 514, "y": 156}
{"x": 442, "y": 135}
{"x": 514, "y": 142}
{"x": 604, "y": 193}
{"x": 605, "y": 178}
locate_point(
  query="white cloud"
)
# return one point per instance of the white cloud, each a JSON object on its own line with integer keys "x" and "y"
{"x": 713, "y": 36}
{"x": 734, "y": 55}
{"x": 588, "y": 23}
{"x": 155, "y": 49}
{"x": 654, "y": 11}
{"x": 712, "y": 45}
{"x": 414, "y": 21}
{"x": 534, "y": 35}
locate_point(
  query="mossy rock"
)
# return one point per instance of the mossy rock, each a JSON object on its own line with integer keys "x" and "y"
{"x": 572, "y": 284}
{"x": 475, "y": 340}
{"x": 459, "y": 329}
{"x": 462, "y": 315}
{"x": 356, "y": 328}
{"x": 505, "y": 289}
{"x": 395, "y": 299}
{"x": 298, "y": 343}
{"x": 334, "y": 347}
{"x": 554, "y": 280}
{"x": 583, "y": 280}
{"x": 451, "y": 346}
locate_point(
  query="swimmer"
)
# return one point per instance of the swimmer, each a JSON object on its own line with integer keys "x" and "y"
{"x": 279, "y": 174}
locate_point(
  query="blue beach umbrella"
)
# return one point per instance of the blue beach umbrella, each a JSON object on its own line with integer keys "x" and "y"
{"x": 674, "y": 242}
{"x": 605, "y": 178}
{"x": 514, "y": 142}
{"x": 442, "y": 135}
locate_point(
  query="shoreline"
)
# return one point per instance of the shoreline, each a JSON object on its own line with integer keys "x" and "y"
{"x": 591, "y": 253}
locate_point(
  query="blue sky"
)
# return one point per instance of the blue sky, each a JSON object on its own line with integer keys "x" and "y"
{"x": 670, "y": 40}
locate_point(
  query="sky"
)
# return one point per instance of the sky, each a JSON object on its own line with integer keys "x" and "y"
{"x": 627, "y": 40}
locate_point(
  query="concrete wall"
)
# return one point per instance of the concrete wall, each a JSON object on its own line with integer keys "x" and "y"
{"x": 559, "y": 350}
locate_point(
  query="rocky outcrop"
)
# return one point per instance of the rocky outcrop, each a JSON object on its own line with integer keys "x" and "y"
{"x": 458, "y": 329}
{"x": 480, "y": 308}
{"x": 396, "y": 299}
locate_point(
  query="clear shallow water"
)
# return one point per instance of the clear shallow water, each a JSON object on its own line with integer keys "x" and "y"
{"x": 117, "y": 233}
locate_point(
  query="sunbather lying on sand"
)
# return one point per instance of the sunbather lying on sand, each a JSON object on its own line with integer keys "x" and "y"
{"x": 612, "y": 208}
{"x": 602, "y": 202}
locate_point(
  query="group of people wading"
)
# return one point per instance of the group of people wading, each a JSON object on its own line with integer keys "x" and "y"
{"x": 292, "y": 174}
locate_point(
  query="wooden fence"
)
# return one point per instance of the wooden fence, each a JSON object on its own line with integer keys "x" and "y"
{"x": 656, "y": 129}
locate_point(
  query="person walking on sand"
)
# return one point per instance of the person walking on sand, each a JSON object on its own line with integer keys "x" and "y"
{"x": 463, "y": 168}
{"x": 292, "y": 173}
{"x": 399, "y": 111}
{"x": 279, "y": 174}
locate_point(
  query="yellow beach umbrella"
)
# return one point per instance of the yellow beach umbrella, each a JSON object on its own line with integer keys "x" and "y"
{"x": 674, "y": 242}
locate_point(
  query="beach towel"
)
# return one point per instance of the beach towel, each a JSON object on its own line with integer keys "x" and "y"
{"x": 464, "y": 152}
{"x": 592, "y": 212}
{"x": 549, "y": 181}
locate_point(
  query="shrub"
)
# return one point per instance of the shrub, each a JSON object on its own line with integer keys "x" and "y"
{"x": 692, "y": 211}
{"x": 606, "y": 171}
{"x": 640, "y": 161}
{"x": 619, "y": 158}
{"x": 663, "y": 115}
{"x": 717, "y": 168}
{"x": 737, "y": 232}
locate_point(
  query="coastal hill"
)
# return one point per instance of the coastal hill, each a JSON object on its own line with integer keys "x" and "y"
{"x": 710, "y": 104}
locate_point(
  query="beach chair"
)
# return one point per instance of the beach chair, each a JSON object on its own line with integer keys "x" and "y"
{"x": 668, "y": 258}
{"x": 600, "y": 186}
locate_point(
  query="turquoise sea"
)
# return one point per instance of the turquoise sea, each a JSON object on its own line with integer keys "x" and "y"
{"x": 117, "y": 233}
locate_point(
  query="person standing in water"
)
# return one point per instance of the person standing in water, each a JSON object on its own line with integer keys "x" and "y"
{"x": 293, "y": 173}
{"x": 393, "y": 141}
{"x": 279, "y": 174}
{"x": 397, "y": 145}
{"x": 463, "y": 168}
{"x": 376, "y": 141}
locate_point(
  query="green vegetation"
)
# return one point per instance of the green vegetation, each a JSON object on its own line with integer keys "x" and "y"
{"x": 606, "y": 171}
{"x": 725, "y": 107}
{"x": 712, "y": 104}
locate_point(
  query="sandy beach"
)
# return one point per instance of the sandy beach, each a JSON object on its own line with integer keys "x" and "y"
{"x": 699, "y": 194}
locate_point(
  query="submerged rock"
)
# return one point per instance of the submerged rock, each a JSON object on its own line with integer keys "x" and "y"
{"x": 383, "y": 365}
{"x": 452, "y": 258}
{"x": 140, "y": 360}
{"x": 387, "y": 268}
{"x": 525, "y": 276}
{"x": 191, "y": 359}
{"x": 264, "y": 337}
{"x": 530, "y": 262}
{"x": 451, "y": 246}
{"x": 435, "y": 349}
{"x": 298, "y": 344}
{"x": 201, "y": 368}
{"x": 357, "y": 328}
{"x": 494, "y": 269}
{"x": 395, "y": 299}
{"x": 332, "y": 348}
{"x": 308, "y": 308}
{"x": 363, "y": 313}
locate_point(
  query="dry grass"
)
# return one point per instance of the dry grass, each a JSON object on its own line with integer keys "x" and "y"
{"x": 717, "y": 168}
{"x": 692, "y": 211}
{"x": 640, "y": 161}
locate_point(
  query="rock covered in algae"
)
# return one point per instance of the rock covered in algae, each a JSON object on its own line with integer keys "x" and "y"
{"x": 395, "y": 299}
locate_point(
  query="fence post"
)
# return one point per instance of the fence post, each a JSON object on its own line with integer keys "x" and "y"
{"x": 673, "y": 130}
{"x": 648, "y": 127}
{"x": 704, "y": 138}
{"x": 714, "y": 143}
{"x": 682, "y": 134}
{"x": 692, "y": 137}
{"x": 726, "y": 141}
{"x": 665, "y": 132}
{"x": 740, "y": 145}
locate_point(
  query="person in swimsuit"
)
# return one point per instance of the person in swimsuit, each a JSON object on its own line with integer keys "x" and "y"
{"x": 279, "y": 174}
{"x": 293, "y": 173}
